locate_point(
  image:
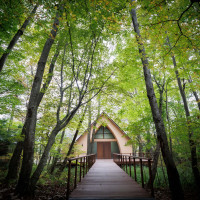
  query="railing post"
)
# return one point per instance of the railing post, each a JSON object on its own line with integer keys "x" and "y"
{"x": 130, "y": 166}
{"x": 75, "y": 180}
{"x": 123, "y": 165}
{"x": 68, "y": 180}
{"x": 141, "y": 169}
{"x": 83, "y": 167}
{"x": 80, "y": 168}
{"x": 135, "y": 169}
{"x": 92, "y": 160}
{"x": 126, "y": 165}
{"x": 86, "y": 170}
{"x": 150, "y": 178}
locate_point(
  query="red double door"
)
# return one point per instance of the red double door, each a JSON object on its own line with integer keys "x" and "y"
{"x": 104, "y": 150}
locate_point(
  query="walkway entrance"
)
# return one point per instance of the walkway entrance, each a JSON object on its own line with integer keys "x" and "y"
{"x": 106, "y": 180}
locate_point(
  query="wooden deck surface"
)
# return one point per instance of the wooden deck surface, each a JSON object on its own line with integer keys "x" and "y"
{"x": 106, "y": 180}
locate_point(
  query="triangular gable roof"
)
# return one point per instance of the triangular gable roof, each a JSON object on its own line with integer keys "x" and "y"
{"x": 105, "y": 115}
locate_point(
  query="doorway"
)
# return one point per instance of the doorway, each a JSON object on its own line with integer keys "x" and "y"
{"x": 104, "y": 150}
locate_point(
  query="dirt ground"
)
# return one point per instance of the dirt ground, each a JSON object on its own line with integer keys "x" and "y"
{"x": 58, "y": 192}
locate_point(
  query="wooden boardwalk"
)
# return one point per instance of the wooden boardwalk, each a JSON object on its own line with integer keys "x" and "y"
{"x": 106, "y": 180}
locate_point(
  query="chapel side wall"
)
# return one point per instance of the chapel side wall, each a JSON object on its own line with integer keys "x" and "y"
{"x": 82, "y": 141}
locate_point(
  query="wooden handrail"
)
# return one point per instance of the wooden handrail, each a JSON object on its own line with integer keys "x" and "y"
{"x": 138, "y": 157}
{"x": 126, "y": 160}
{"x": 80, "y": 157}
{"x": 140, "y": 154}
{"x": 86, "y": 163}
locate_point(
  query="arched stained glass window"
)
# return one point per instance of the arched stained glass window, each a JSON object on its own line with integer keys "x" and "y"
{"x": 104, "y": 133}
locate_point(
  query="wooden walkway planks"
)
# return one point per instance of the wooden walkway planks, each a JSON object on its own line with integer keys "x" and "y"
{"x": 106, "y": 180}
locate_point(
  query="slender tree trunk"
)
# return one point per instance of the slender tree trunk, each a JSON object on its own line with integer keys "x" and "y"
{"x": 16, "y": 158}
{"x": 140, "y": 146}
{"x": 11, "y": 118}
{"x": 99, "y": 104}
{"x": 163, "y": 171}
{"x": 155, "y": 163}
{"x": 93, "y": 134}
{"x": 89, "y": 128}
{"x": 23, "y": 183}
{"x": 168, "y": 120}
{"x": 173, "y": 176}
{"x": 55, "y": 160}
{"x": 14, "y": 163}
{"x": 195, "y": 94}
{"x": 157, "y": 150}
{"x": 49, "y": 161}
{"x": 192, "y": 144}
{"x": 14, "y": 40}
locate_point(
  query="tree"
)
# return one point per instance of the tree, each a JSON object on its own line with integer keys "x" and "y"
{"x": 173, "y": 176}
{"x": 194, "y": 162}
{"x": 30, "y": 122}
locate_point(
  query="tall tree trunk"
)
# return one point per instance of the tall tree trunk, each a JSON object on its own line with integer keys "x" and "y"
{"x": 55, "y": 160}
{"x": 14, "y": 163}
{"x": 192, "y": 144}
{"x": 14, "y": 40}
{"x": 23, "y": 183}
{"x": 173, "y": 176}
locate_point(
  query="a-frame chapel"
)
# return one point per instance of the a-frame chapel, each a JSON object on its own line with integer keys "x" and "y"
{"x": 108, "y": 137}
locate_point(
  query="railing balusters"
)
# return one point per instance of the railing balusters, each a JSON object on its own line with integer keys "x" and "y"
{"x": 127, "y": 160}
{"x": 85, "y": 164}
